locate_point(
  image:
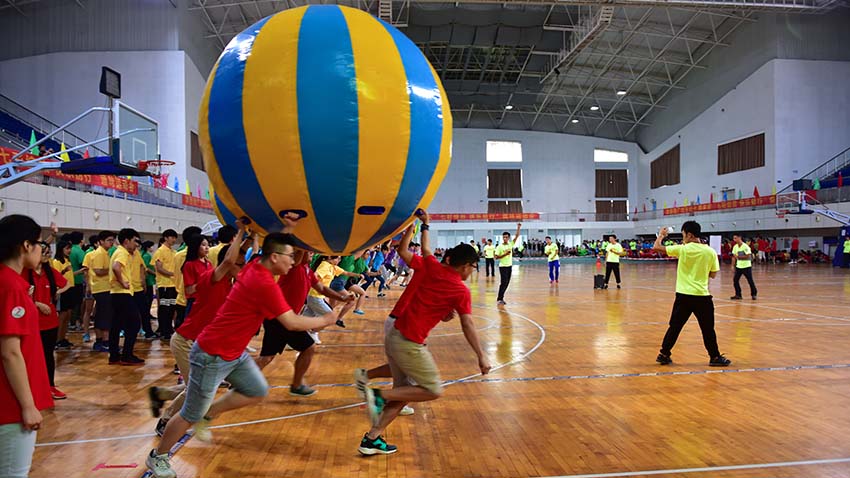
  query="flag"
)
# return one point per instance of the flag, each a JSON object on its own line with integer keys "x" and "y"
{"x": 840, "y": 179}
{"x": 636, "y": 211}
{"x": 756, "y": 192}
{"x": 725, "y": 196}
{"x": 686, "y": 201}
{"x": 63, "y": 154}
{"x": 644, "y": 207}
{"x": 86, "y": 154}
{"x": 711, "y": 198}
{"x": 740, "y": 194}
{"x": 816, "y": 185}
{"x": 176, "y": 184}
{"x": 674, "y": 203}
{"x": 188, "y": 189}
{"x": 773, "y": 190}
{"x": 654, "y": 205}
{"x": 33, "y": 148}
{"x": 697, "y": 198}
{"x": 198, "y": 190}
{"x": 665, "y": 205}
{"x": 208, "y": 192}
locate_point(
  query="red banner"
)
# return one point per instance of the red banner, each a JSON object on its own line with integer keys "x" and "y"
{"x": 483, "y": 216}
{"x": 717, "y": 206}
{"x": 197, "y": 202}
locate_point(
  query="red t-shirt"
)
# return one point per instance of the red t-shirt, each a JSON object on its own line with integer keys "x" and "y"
{"x": 404, "y": 300}
{"x": 192, "y": 272}
{"x": 795, "y": 244}
{"x": 19, "y": 316}
{"x": 763, "y": 245}
{"x": 296, "y": 285}
{"x": 255, "y": 296}
{"x": 439, "y": 293}
{"x": 209, "y": 296}
{"x": 773, "y": 246}
{"x": 41, "y": 293}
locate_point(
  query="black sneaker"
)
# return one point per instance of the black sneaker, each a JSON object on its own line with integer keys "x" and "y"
{"x": 340, "y": 323}
{"x": 378, "y": 446}
{"x": 63, "y": 345}
{"x": 152, "y": 336}
{"x": 736, "y": 297}
{"x": 719, "y": 361}
{"x": 754, "y": 297}
{"x": 618, "y": 286}
{"x": 176, "y": 370}
{"x": 132, "y": 360}
{"x": 156, "y": 403}
{"x": 160, "y": 426}
{"x": 663, "y": 359}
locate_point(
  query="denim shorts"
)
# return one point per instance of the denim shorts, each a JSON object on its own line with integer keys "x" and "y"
{"x": 208, "y": 371}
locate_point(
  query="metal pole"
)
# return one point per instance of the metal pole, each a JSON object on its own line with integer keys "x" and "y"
{"x": 61, "y": 128}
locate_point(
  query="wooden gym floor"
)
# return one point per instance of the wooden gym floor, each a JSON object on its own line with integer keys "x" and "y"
{"x": 577, "y": 391}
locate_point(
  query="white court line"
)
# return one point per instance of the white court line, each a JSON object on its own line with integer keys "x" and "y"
{"x": 708, "y": 469}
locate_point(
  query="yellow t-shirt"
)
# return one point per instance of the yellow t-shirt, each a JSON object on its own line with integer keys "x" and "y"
{"x": 325, "y": 273}
{"x": 121, "y": 256}
{"x": 59, "y": 266}
{"x": 179, "y": 260}
{"x": 847, "y": 246}
{"x": 695, "y": 262}
{"x": 165, "y": 255}
{"x": 613, "y": 252}
{"x": 740, "y": 263}
{"x": 489, "y": 251}
{"x": 98, "y": 259}
{"x": 551, "y": 251}
{"x": 502, "y": 248}
{"x": 212, "y": 256}
{"x": 137, "y": 264}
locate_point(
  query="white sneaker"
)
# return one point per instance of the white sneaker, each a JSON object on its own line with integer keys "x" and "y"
{"x": 159, "y": 465}
{"x": 406, "y": 411}
{"x": 315, "y": 336}
{"x": 202, "y": 431}
{"x": 361, "y": 381}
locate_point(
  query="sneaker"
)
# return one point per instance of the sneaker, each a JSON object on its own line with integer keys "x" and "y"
{"x": 359, "y": 312}
{"x": 754, "y": 297}
{"x": 121, "y": 334}
{"x": 605, "y": 286}
{"x": 340, "y": 323}
{"x": 719, "y": 361}
{"x": 387, "y": 287}
{"x": 159, "y": 465}
{"x": 176, "y": 370}
{"x": 501, "y": 302}
{"x": 151, "y": 336}
{"x": 202, "y": 430}
{"x": 165, "y": 338}
{"x": 113, "y": 361}
{"x": 86, "y": 337}
{"x": 100, "y": 347}
{"x": 63, "y": 345}
{"x": 406, "y": 410}
{"x": 618, "y": 286}
{"x": 160, "y": 426}
{"x": 374, "y": 404}
{"x": 301, "y": 391}
{"x": 551, "y": 282}
{"x": 736, "y": 297}
{"x": 315, "y": 336}
{"x": 663, "y": 359}
{"x": 156, "y": 403}
{"x": 132, "y": 360}
{"x": 57, "y": 394}
{"x": 378, "y": 446}
{"x": 361, "y": 381}
{"x": 381, "y": 294}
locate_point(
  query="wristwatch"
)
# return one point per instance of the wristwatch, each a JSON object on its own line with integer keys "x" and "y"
{"x": 425, "y": 227}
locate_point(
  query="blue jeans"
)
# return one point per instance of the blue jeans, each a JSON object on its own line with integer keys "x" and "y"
{"x": 371, "y": 279}
{"x": 207, "y": 371}
{"x": 16, "y": 448}
{"x": 554, "y": 269}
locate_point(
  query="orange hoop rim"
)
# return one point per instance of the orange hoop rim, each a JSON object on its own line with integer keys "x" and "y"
{"x": 158, "y": 163}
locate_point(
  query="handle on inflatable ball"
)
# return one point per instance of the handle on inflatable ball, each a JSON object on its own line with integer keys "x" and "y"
{"x": 299, "y": 212}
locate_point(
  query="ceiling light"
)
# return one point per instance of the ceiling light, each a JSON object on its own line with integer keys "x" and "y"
{"x": 574, "y": 121}
{"x": 594, "y": 108}
{"x": 621, "y": 92}
{"x": 509, "y": 107}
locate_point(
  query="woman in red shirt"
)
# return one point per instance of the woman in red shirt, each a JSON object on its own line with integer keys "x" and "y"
{"x": 46, "y": 285}
{"x": 196, "y": 264}
{"x": 24, "y": 388}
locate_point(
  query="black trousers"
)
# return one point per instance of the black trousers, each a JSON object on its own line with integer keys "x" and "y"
{"x": 845, "y": 260}
{"x": 144, "y": 300}
{"x": 48, "y": 342}
{"x": 703, "y": 308}
{"x": 505, "y": 276}
{"x": 748, "y": 273}
{"x": 125, "y": 316}
{"x": 165, "y": 310}
{"x": 490, "y": 266}
{"x": 612, "y": 266}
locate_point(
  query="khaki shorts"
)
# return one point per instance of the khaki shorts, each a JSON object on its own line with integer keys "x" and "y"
{"x": 180, "y": 348}
{"x": 411, "y": 363}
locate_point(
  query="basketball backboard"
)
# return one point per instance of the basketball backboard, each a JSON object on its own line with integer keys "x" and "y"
{"x": 135, "y": 136}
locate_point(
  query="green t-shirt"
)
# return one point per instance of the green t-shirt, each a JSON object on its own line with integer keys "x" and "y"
{"x": 346, "y": 263}
{"x": 502, "y": 248}
{"x": 489, "y": 251}
{"x": 633, "y": 245}
{"x": 112, "y": 250}
{"x": 150, "y": 276}
{"x": 77, "y": 256}
{"x": 551, "y": 251}
{"x": 359, "y": 266}
{"x": 613, "y": 252}
{"x": 847, "y": 246}
{"x": 696, "y": 261}
{"x": 741, "y": 263}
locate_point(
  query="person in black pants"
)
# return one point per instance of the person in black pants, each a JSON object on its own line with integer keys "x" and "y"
{"x": 742, "y": 257}
{"x": 697, "y": 263}
{"x": 489, "y": 260}
{"x": 125, "y": 311}
{"x": 504, "y": 253}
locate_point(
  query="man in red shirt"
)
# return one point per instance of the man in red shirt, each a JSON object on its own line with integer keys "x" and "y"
{"x": 764, "y": 247}
{"x": 295, "y": 285}
{"x": 219, "y": 352}
{"x": 795, "y": 250}
{"x": 415, "y": 376}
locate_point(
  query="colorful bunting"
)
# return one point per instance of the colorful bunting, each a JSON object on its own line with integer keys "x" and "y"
{"x": 816, "y": 185}
{"x": 86, "y": 154}
{"x": 773, "y": 190}
{"x": 756, "y": 192}
{"x": 697, "y": 198}
{"x": 63, "y": 153}
{"x": 33, "y": 148}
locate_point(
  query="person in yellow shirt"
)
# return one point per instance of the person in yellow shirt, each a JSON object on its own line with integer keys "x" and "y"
{"x": 613, "y": 252}
{"x": 551, "y": 251}
{"x": 317, "y": 302}
{"x": 505, "y": 253}
{"x": 490, "y": 258}
{"x": 742, "y": 261}
{"x": 697, "y": 264}
{"x": 98, "y": 279}
{"x": 125, "y": 313}
{"x": 166, "y": 290}
{"x": 225, "y": 236}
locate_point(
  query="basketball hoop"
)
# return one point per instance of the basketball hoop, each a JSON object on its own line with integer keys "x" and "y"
{"x": 156, "y": 167}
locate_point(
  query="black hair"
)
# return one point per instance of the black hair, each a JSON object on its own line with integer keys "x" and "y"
{"x": 76, "y": 237}
{"x": 125, "y": 234}
{"x": 191, "y": 231}
{"x": 15, "y": 229}
{"x": 147, "y": 245}
{"x": 169, "y": 233}
{"x": 47, "y": 270}
{"x": 612, "y": 235}
{"x": 506, "y": 233}
{"x": 222, "y": 253}
{"x": 489, "y": 240}
{"x": 93, "y": 240}
{"x": 385, "y": 247}
{"x": 161, "y": 240}
{"x": 104, "y": 235}
{"x": 275, "y": 241}
{"x": 226, "y": 233}
{"x": 691, "y": 227}
{"x": 59, "y": 255}
{"x": 192, "y": 245}
{"x": 461, "y": 255}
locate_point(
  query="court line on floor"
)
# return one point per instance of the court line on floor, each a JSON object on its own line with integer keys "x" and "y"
{"x": 751, "y": 466}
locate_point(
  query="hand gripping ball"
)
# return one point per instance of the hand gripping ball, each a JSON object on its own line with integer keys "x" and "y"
{"x": 329, "y": 112}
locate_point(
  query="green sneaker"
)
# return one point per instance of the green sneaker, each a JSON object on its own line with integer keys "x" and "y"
{"x": 378, "y": 446}
{"x": 374, "y": 404}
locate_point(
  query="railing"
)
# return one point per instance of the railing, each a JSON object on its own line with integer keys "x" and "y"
{"x": 829, "y": 168}
{"x": 43, "y": 125}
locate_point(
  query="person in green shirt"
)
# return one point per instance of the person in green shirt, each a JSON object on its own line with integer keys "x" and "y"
{"x": 613, "y": 252}
{"x": 147, "y": 295}
{"x": 73, "y": 298}
{"x": 742, "y": 261}
{"x": 633, "y": 247}
{"x": 489, "y": 258}
{"x": 551, "y": 251}
{"x": 697, "y": 264}
{"x": 505, "y": 253}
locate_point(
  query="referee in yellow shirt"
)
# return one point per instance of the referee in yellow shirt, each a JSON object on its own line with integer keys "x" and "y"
{"x": 697, "y": 263}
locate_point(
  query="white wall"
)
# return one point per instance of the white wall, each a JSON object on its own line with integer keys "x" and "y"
{"x": 557, "y": 170}
{"x": 195, "y": 83}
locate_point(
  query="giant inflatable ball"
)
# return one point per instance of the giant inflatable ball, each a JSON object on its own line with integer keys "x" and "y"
{"x": 326, "y": 111}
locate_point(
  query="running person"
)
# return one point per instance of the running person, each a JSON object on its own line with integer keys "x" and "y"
{"x": 697, "y": 264}
{"x": 742, "y": 261}
{"x": 613, "y": 252}
{"x": 551, "y": 251}
{"x": 505, "y": 253}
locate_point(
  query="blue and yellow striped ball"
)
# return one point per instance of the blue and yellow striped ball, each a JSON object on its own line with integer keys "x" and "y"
{"x": 326, "y": 110}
